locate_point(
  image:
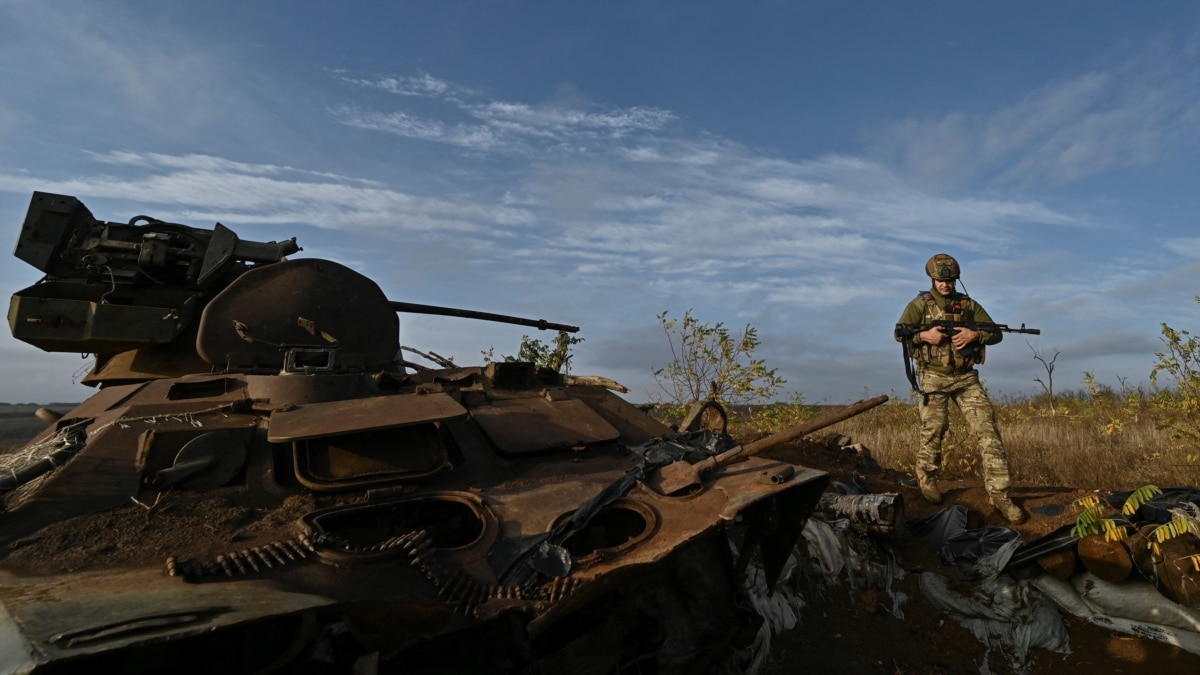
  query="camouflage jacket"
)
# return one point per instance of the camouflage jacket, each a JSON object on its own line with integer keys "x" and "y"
{"x": 944, "y": 358}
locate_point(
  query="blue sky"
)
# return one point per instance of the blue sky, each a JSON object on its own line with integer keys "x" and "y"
{"x": 789, "y": 165}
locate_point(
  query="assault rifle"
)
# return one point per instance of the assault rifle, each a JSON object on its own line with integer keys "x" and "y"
{"x": 950, "y": 327}
{"x": 906, "y": 331}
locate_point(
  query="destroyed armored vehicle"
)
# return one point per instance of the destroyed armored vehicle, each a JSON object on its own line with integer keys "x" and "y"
{"x": 264, "y": 482}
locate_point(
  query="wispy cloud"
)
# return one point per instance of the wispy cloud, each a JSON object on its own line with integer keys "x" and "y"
{"x": 665, "y": 206}
{"x": 198, "y": 162}
{"x": 109, "y": 61}
{"x": 1187, "y": 247}
{"x": 564, "y": 203}
{"x": 8, "y": 118}
{"x": 495, "y": 125}
{"x": 1127, "y": 115}
{"x": 468, "y": 136}
{"x": 421, "y": 85}
{"x": 206, "y": 188}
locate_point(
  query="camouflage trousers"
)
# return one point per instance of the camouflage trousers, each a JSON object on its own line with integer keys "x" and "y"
{"x": 972, "y": 399}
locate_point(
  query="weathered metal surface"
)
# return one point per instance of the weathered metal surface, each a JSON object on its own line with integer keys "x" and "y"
{"x": 361, "y": 414}
{"x": 62, "y": 618}
{"x": 681, "y": 475}
{"x": 538, "y": 424}
{"x": 264, "y": 484}
{"x": 313, "y": 303}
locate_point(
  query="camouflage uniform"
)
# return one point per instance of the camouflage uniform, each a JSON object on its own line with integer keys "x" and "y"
{"x": 945, "y": 375}
{"x": 972, "y": 399}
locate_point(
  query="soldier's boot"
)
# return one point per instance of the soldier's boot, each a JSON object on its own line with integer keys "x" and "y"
{"x": 1011, "y": 512}
{"x": 927, "y": 481}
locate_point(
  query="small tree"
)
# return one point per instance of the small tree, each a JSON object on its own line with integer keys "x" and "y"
{"x": 709, "y": 361}
{"x": 1048, "y": 385}
{"x": 1181, "y": 362}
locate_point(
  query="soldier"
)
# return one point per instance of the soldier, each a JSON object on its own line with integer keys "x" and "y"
{"x": 946, "y": 363}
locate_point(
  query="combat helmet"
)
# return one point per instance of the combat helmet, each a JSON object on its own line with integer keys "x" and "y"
{"x": 942, "y": 266}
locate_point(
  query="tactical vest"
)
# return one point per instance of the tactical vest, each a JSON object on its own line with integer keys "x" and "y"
{"x": 958, "y": 308}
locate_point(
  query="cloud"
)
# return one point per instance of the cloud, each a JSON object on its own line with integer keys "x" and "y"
{"x": 564, "y": 124}
{"x": 421, "y": 85}
{"x": 9, "y": 117}
{"x": 76, "y": 61}
{"x": 615, "y": 213}
{"x": 206, "y": 189}
{"x": 668, "y": 206}
{"x": 472, "y": 137}
{"x": 198, "y": 162}
{"x": 1127, "y": 115}
{"x": 1186, "y": 247}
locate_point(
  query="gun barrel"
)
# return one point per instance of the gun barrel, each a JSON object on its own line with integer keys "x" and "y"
{"x": 540, "y": 324}
{"x": 679, "y": 475}
{"x": 796, "y": 431}
{"x": 906, "y": 330}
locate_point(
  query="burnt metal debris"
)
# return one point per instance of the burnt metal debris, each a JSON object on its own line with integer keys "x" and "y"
{"x": 498, "y": 516}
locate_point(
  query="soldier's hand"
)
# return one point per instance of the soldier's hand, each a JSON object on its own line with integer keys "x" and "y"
{"x": 934, "y": 336}
{"x": 963, "y": 337}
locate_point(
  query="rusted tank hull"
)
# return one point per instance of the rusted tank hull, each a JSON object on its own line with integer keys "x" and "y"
{"x": 397, "y": 565}
{"x": 262, "y": 483}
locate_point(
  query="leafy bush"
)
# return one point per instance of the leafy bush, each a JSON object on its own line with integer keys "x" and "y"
{"x": 708, "y": 361}
{"x": 1180, "y": 361}
{"x": 555, "y": 356}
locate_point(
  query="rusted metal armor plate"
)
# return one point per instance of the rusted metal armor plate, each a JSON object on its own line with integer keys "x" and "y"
{"x": 332, "y": 298}
{"x": 531, "y": 425}
{"x": 361, "y": 414}
{"x": 52, "y": 619}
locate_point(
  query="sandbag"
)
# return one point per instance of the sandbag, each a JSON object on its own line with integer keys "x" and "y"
{"x": 1120, "y": 601}
{"x": 1134, "y": 599}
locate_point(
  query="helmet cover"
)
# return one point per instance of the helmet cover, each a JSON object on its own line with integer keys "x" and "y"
{"x": 942, "y": 266}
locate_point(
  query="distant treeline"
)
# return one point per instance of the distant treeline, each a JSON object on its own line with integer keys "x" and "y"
{"x": 18, "y": 424}
{"x": 6, "y": 408}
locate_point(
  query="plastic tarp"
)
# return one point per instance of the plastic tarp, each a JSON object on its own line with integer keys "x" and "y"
{"x": 1003, "y": 613}
{"x": 829, "y": 556}
{"x": 945, "y": 533}
{"x": 838, "y": 555}
{"x": 1159, "y": 509}
{"x": 779, "y": 607}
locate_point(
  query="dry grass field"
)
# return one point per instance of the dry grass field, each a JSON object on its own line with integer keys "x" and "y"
{"x": 1105, "y": 441}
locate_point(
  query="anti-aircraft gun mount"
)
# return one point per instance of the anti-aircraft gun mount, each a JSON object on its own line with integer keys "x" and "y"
{"x": 258, "y": 483}
{"x": 113, "y": 287}
{"x": 134, "y": 295}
